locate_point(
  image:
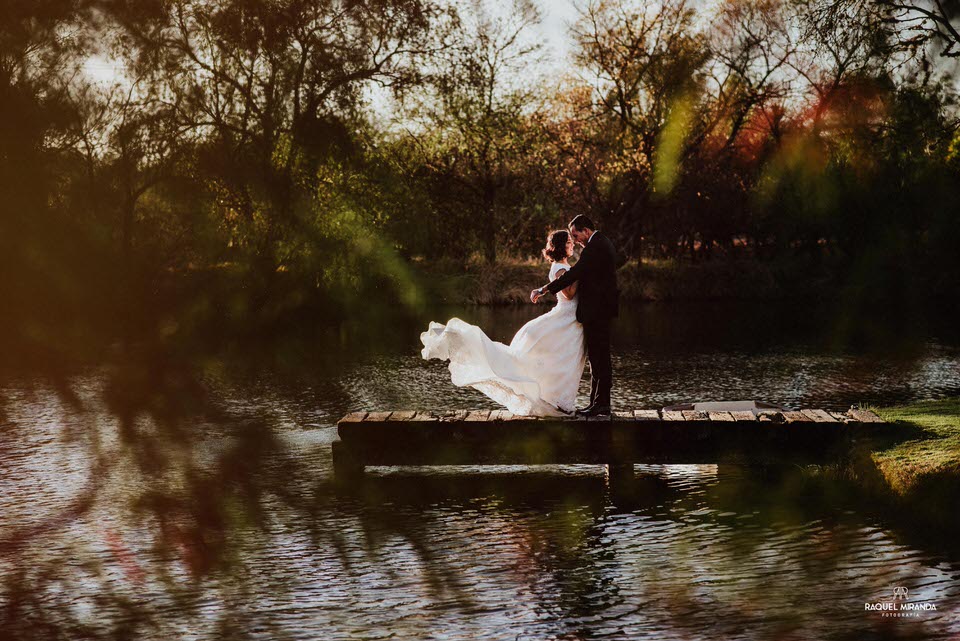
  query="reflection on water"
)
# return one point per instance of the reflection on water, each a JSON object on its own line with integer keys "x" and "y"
{"x": 158, "y": 498}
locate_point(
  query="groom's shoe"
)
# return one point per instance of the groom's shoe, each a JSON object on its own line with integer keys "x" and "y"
{"x": 595, "y": 410}
{"x": 582, "y": 411}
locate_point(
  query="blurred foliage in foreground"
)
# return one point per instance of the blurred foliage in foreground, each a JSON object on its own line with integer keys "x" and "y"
{"x": 187, "y": 162}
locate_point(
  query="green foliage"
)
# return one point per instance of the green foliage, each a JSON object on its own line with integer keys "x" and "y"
{"x": 239, "y": 148}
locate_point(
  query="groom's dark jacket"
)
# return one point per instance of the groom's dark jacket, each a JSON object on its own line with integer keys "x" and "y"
{"x": 596, "y": 271}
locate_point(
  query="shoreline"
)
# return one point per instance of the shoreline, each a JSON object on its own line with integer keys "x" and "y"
{"x": 805, "y": 278}
{"x": 914, "y": 472}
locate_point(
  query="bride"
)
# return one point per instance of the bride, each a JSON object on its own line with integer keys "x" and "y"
{"x": 539, "y": 372}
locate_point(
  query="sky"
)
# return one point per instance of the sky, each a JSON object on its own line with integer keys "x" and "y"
{"x": 558, "y": 15}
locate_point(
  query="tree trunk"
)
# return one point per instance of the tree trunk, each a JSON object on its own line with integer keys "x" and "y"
{"x": 126, "y": 278}
{"x": 490, "y": 225}
{"x": 126, "y": 230}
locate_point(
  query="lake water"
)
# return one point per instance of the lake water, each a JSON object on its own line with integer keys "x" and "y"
{"x": 149, "y": 495}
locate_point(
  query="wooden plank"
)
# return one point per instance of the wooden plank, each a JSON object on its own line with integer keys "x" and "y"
{"x": 864, "y": 416}
{"x": 723, "y": 417}
{"x": 819, "y": 416}
{"x": 455, "y": 416}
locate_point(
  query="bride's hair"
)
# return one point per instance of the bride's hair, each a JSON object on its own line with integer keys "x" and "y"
{"x": 556, "y": 249}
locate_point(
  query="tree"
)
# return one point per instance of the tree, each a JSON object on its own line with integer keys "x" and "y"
{"x": 752, "y": 49}
{"x": 268, "y": 90}
{"x": 475, "y": 123}
{"x": 919, "y": 22}
{"x": 42, "y": 256}
{"x": 646, "y": 64}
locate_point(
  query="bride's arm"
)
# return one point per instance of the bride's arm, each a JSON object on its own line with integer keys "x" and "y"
{"x": 571, "y": 276}
{"x": 571, "y": 290}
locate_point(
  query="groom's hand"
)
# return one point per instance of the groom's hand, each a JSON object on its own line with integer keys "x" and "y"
{"x": 535, "y": 295}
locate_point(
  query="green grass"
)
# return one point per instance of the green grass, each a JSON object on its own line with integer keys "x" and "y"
{"x": 934, "y": 453}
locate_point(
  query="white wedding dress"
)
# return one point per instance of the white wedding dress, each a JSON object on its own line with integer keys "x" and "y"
{"x": 537, "y": 374}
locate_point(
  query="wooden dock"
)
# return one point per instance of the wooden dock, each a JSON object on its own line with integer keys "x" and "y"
{"x": 808, "y": 436}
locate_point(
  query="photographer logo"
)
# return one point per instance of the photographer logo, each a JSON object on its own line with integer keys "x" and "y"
{"x": 900, "y": 606}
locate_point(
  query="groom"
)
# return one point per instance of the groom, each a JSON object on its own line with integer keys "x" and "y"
{"x": 597, "y": 306}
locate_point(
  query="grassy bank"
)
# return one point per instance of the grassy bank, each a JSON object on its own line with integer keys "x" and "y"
{"x": 510, "y": 280}
{"x": 936, "y": 452}
{"x": 918, "y": 467}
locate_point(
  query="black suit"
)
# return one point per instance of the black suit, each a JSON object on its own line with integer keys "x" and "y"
{"x": 598, "y": 304}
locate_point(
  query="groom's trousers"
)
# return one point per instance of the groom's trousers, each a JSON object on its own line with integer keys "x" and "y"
{"x": 596, "y": 334}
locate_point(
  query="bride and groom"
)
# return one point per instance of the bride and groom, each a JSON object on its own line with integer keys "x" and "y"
{"x": 539, "y": 372}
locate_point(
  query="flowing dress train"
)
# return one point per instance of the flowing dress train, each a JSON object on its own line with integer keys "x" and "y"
{"x": 537, "y": 374}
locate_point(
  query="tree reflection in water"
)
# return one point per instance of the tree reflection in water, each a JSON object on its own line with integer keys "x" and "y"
{"x": 167, "y": 499}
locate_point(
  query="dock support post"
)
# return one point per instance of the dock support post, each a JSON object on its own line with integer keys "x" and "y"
{"x": 620, "y": 478}
{"x": 346, "y": 465}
